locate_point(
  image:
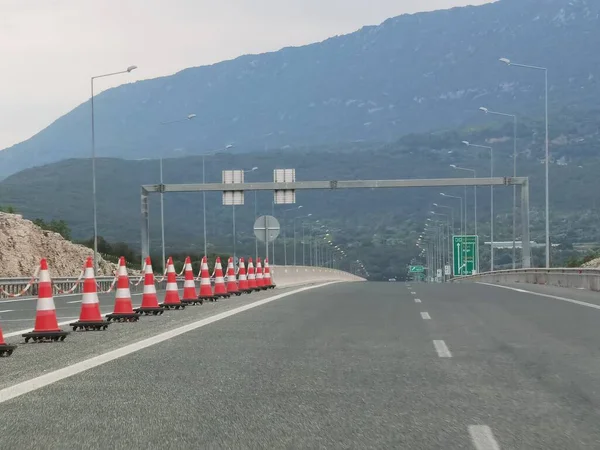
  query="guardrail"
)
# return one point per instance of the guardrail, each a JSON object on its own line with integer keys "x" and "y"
{"x": 12, "y": 286}
{"x": 282, "y": 275}
{"x": 578, "y": 278}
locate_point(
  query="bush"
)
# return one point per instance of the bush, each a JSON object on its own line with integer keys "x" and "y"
{"x": 58, "y": 226}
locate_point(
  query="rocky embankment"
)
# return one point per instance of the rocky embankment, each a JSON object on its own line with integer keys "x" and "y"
{"x": 23, "y": 244}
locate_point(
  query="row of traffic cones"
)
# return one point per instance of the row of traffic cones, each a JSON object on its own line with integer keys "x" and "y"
{"x": 46, "y": 323}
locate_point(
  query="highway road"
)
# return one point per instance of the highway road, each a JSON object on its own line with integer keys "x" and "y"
{"x": 348, "y": 365}
{"x": 19, "y": 314}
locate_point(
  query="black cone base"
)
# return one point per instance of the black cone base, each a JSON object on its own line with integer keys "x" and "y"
{"x": 192, "y": 301}
{"x": 149, "y": 310}
{"x": 121, "y": 317}
{"x": 45, "y": 336}
{"x": 91, "y": 325}
{"x": 6, "y": 349}
{"x": 172, "y": 305}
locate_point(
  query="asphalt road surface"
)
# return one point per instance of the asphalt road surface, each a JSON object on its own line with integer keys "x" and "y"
{"x": 357, "y": 365}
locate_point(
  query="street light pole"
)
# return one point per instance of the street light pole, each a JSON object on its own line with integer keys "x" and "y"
{"x": 468, "y": 144}
{"x": 94, "y": 201}
{"x": 514, "y": 213}
{"x": 296, "y": 218}
{"x": 204, "y": 155}
{"x": 162, "y": 202}
{"x": 454, "y": 166}
{"x": 545, "y": 70}
{"x": 285, "y": 233}
{"x": 462, "y": 255}
{"x": 233, "y": 218}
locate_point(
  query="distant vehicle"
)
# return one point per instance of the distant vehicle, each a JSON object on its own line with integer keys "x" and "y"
{"x": 392, "y": 279}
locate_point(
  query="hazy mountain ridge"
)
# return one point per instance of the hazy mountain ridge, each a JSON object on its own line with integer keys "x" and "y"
{"x": 411, "y": 73}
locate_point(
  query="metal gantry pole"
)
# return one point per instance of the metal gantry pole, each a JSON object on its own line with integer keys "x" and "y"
{"x": 548, "y": 248}
{"x": 303, "y": 250}
{"x": 162, "y": 219}
{"x": 256, "y": 217}
{"x": 547, "y": 149}
{"x": 204, "y": 204}
{"x": 294, "y": 242}
{"x": 233, "y": 217}
{"x": 94, "y": 204}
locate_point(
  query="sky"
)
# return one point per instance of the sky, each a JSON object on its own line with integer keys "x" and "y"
{"x": 49, "y": 49}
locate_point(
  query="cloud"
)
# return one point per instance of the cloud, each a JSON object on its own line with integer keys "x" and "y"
{"x": 50, "y": 48}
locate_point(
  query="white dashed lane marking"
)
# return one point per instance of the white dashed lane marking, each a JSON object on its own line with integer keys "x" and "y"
{"x": 483, "y": 438}
{"x": 425, "y": 316}
{"x": 442, "y": 349}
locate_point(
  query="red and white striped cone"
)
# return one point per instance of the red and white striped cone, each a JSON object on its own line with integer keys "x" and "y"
{"x": 206, "y": 292}
{"x": 242, "y": 278}
{"x": 5, "y": 349}
{"x": 252, "y": 277}
{"x": 190, "y": 296}
{"x": 90, "y": 317}
{"x": 46, "y": 325}
{"x": 172, "y": 300}
{"x": 268, "y": 280}
{"x": 259, "y": 276}
{"x": 123, "y": 311}
{"x": 220, "y": 288}
{"x": 149, "y": 299}
{"x": 232, "y": 286}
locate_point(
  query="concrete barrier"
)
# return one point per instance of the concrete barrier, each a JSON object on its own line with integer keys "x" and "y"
{"x": 561, "y": 277}
{"x": 288, "y": 276}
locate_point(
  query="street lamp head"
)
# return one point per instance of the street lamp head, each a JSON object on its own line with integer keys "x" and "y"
{"x": 300, "y": 207}
{"x": 131, "y": 68}
{"x": 228, "y": 146}
{"x": 309, "y": 215}
{"x": 485, "y": 110}
{"x": 467, "y": 143}
{"x": 253, "y": 169}
{"x": 442, "y": 194}
{"x": 505, "y": 61}
{"x": 453, "y": 166}
{"x": 435, "y": 204}
{"x": 191, "y": 116}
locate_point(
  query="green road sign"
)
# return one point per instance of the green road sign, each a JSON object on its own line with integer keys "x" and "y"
{"x": 417, "y": 269}
{"x": 465, "y": 255}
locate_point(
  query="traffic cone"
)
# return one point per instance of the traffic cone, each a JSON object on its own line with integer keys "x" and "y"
{"x": 220, "y": 288}
{"x": 149, "y": 300}
{"x": 172, "y": 300}
{"x": 268, "y": 280}
{"x": 232, "y": 286}
{"x": 5, "y": 349}
{"x": 46, "y": 325}
{"x": 190, "y": 296}
{"x": 90, "y": 317}
{"x": 252, "y": 277}
{"x": 123, "y": 311}
{"x": 206, "y": 292}
{"x": 260, "y": 284}
{"x": 242, "y": 278}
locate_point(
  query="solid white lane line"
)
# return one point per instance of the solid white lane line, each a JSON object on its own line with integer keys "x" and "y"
{"x": 564, "y": 299}
{"x": 417, "y": 300}
{"x": 66, "y": 372}
{"x": 425, "y": 316}
{"x": 20, "y": 332}
{"x": 76, "y": 301}
{"x": 6, "y": 310}
{"x": 442, "y": 349}
{"x": 483, "y": 438}
{"x": 58, "y": 296}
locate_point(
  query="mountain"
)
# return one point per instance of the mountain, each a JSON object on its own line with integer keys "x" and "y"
{"x": 380, "y": 226}
{"x": 411, "y": 73}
